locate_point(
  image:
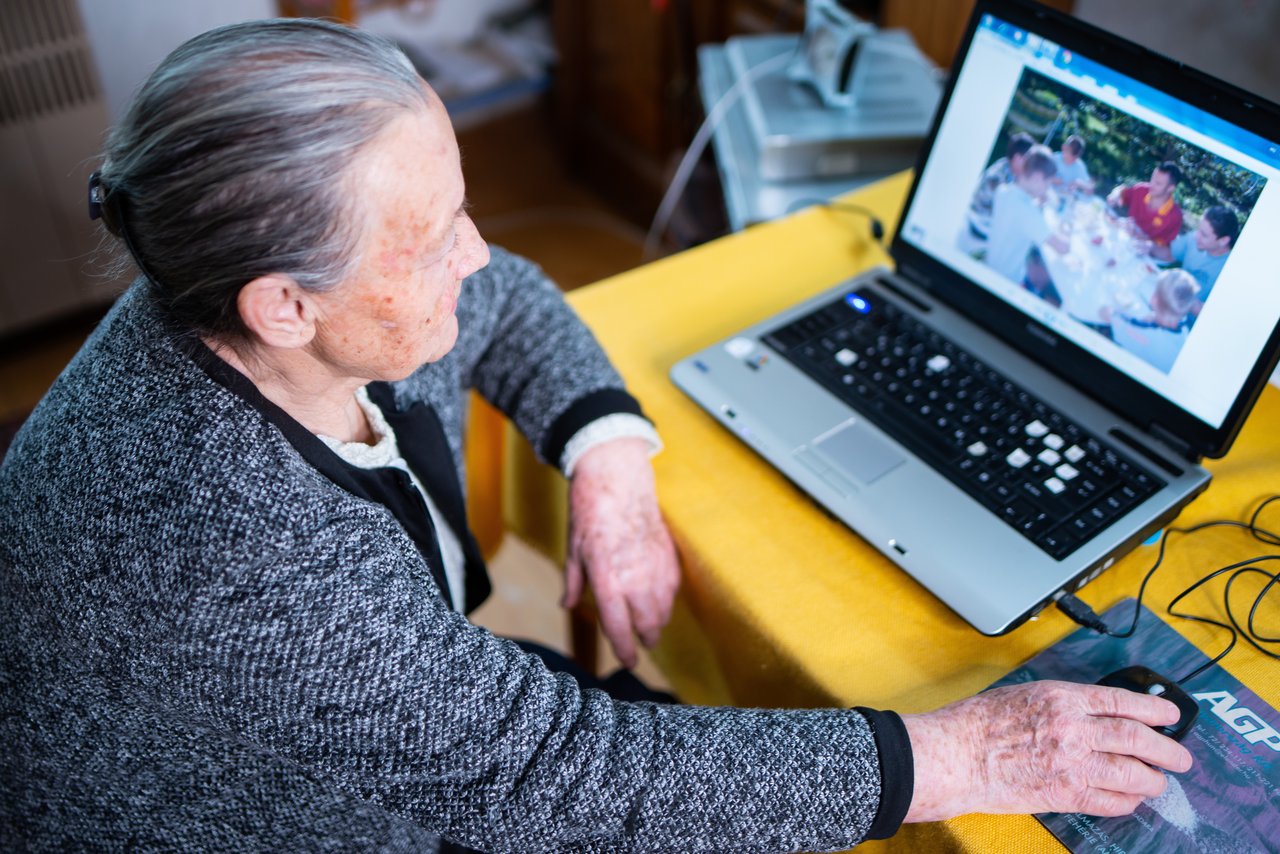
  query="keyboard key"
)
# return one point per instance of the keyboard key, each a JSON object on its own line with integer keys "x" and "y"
{"x": 1142, "y": 480}
{"x": 1033, "y": 490}
{"x": 1034, "y": 524}
{"x": 1018, "y": 458}
{"x": 1009, "y": 514}
{"x": 1042, "y": 474}
{"x": 1086, "y": 489}
{"x": 1058, "y": 543}
{"x": 1081, "y": 526}
{"x": 1017, "y": 510}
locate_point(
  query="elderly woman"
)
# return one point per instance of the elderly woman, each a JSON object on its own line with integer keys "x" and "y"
{"x": 234, "y": 556}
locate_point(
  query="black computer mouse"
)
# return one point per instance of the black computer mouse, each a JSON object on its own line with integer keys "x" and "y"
{"x": 1144, "y": 680}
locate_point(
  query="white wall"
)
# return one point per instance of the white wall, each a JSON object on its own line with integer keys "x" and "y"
{"x": 130, "y": 37}
{"x": 1231, "y": 39}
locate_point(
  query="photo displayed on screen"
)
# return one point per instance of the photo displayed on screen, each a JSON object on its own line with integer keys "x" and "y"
{"x": 1121, "y": 225}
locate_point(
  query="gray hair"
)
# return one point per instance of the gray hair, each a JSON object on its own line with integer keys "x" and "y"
{"x": 229, "y": 163}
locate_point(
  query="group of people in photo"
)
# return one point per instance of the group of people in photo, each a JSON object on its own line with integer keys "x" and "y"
{"x": 1134, "y": 266}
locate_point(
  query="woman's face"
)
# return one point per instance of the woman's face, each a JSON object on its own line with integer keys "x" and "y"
{"x": 396, "y": 313}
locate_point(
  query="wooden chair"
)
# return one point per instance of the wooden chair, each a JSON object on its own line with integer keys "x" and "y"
{"x": 494, "y": 454}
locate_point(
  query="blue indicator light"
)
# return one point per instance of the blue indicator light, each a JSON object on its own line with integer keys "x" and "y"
{"x": 857, "y": 303}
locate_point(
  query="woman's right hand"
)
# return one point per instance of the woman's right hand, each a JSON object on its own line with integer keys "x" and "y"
{"x": 1042, "y": 747}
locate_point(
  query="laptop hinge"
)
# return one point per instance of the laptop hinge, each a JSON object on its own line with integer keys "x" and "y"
{"x": 1175, "y": 444}
{"x": 897, "y": 290}
{"x": 915, "y": 277}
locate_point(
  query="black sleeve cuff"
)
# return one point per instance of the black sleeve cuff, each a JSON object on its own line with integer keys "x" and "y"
{"x": 584, "y": 410}
{"x": 897, "y": 771}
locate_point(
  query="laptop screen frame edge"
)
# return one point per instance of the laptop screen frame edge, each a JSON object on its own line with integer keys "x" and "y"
{"x": 1125, "y": 395}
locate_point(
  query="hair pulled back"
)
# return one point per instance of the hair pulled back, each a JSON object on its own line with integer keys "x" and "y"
{"x": 229, "y": 163}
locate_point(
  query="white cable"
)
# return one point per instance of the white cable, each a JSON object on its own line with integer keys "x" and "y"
{"x": 662, "y": 218}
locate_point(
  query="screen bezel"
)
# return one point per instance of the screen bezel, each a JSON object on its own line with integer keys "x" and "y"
{"x": 1127, "y": 396}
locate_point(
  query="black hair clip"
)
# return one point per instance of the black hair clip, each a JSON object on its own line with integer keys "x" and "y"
{"x": 109, "y": 211}
{"x": 96, "y": 196}
{"x": 104, "y": 205}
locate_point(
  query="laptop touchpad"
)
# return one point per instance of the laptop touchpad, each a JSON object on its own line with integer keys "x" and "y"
{"x": 857, "y": 452}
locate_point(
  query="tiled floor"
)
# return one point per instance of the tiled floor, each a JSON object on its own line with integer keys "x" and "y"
{"x": 523, "y": 199}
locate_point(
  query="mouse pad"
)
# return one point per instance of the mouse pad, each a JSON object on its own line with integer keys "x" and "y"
{"x": 1230, "y": 799}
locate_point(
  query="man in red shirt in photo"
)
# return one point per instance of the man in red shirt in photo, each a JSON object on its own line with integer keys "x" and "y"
{"x": 1151, "y": 205}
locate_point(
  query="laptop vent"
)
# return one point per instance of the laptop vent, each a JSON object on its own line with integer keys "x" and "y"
{"x": 45, "y": 65}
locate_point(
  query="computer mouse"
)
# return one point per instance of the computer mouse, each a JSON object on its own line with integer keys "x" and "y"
{"x": 1144, "y": 680}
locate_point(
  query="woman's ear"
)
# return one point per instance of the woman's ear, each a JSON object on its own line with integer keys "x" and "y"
{"x": 277, "y": 312}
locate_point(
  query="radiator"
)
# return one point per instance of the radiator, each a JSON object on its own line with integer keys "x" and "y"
{"x": 52, "y": 123}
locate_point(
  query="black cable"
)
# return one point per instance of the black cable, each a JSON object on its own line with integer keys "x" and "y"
{"x": 1259, "y": 533}
{"x": 877, "y": 227}
{"x": 1080, "y": 612}
{"x": 1247, "y": 631}
{"x": 1254, "y": 610}
{"x": 1235, "y": 569}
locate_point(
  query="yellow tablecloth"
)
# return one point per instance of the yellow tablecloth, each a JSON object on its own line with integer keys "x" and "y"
{"x": 782, "y": 606}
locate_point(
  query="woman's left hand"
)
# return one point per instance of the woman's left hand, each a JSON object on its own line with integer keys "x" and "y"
{"x": 620, "y": 543}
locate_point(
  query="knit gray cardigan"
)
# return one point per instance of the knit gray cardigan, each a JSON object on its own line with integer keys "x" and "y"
{"x": 207, "y": 645}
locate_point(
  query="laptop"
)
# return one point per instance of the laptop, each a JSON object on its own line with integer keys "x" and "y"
{"x": 1028, "y": 393}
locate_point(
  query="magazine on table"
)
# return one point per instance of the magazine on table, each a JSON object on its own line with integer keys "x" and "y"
{"x": 1230, "y": 799}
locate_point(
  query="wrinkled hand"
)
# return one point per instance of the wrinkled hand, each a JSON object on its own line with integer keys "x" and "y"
{"x": 1042, "y": 747}
{"x": 619, "y": 542}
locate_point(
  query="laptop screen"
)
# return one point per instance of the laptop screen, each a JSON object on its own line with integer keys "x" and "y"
{"x": 1133, "y": 224}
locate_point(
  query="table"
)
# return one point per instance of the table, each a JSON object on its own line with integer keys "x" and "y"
{"x": 781, "y": 605}
{"x": 1107, "y": 269}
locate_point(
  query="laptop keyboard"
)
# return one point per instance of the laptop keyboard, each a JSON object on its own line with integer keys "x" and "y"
{"x": 1029, "y": 464}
